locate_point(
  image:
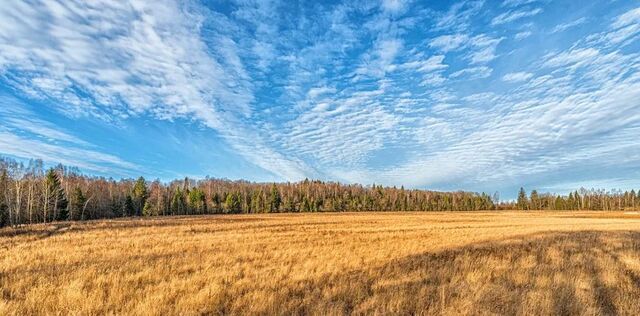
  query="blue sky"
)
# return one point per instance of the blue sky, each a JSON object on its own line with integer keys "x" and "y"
{"x": 473, "y": 95}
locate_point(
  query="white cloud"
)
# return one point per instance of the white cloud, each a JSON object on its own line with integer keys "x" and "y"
{"x": 626, "y": 28}
{"x": 450, "y": 42}
{"x": 459, "y": 15}
{"x": 16, "y": 118}
{"x": 484, "y": 48}
{"x": 515, "y": 3}
{"x": 511, "y": 16}
{"x": 315, "y": 92}
{"x": 528, "y": 130}
{"x": 381, "y": 61}
{"x": 428, "y": 65}
{"x": 517, "y": 76}
{"x": 575, "y": 56}
{"x": 629, "y": 17}
{"x": 341, "y": 131}
{"x": 533, "y": 140}
{"x": 134, "y": 58}
{"x": 86, "y": 159}
{"x": 394, "y": 6}
{"x": 480, "y": 97}
{"x": 522, "y": 35}
{"x": 568, "y": 25}
{"x": 473, "y": 73}
{"x": 24, "y": 135}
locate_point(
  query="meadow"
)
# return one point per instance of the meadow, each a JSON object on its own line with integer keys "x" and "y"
{"x": 513, "y": 263}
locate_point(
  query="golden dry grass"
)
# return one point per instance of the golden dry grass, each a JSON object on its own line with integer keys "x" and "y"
{"x": 338, "y": 263}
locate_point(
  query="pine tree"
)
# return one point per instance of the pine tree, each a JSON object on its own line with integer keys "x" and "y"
{"x": 232, "y": 204}
{"x": 559, "y": 203}
{"x": 197, "y": 201}
{"x": 63, "y": 214}
{"x": 288, "y": 205}
{"x": 306, "y": 205}
{"x": 274, "y": 199}
{"x": 128, "y": 208}
{"x": 54, "y": 197}
{"x": 76, "y": 207}
{"x": 4, "y": 214}
{"x": 140, "y": 195}
{"x": 256, "y": 202}
{"x": 177, "y": 202}
{"x": 523, "y": 202}
{"x": 217, "y": 203}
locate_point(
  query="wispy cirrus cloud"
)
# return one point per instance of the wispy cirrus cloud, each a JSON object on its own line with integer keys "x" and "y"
{"x": 542, "y": 116}
{"x": 449, "y": 42}
{"x": 473, "y": 72}
{"x": 134, "y": 58}
{"x": 517, "y": 76}
{"x": 381, "y": 60}
{"x": 515, "y": 3}
{"x": 459, "y": 15}
{"x": 482, "y": 48}
{"x": 24, "y": 135}
{"x": 565, "y": 26}
{"x": 511, "y": 16}
{"x": 522, "y": 35}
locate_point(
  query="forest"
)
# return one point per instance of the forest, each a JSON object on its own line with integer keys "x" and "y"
{"x": 31, "y": 193}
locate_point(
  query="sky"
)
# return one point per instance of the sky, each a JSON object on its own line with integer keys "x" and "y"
{"x": 445, "y": 95}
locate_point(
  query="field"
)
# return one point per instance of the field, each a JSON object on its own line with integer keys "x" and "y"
{"x": 338, "y": 263}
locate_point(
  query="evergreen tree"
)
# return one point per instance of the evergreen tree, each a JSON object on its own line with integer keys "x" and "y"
{"x": 140, "y": 195}
{"x": 559, "y": 205}
{"x": 274, "y": 199}
{"x": 177, "y": 202}
{"x": 76, "y": 207}
{"x": 197, "y": 201}
{"x": 534, "y": 200}
{"x": 128, "y": 208}
{"x": 232, "y": 204}
{"x": 63, "y": 214}
{"x": 217, "y": 203}
{"x": 523, "y": 202}
{"x": 256, "y": 202}
{"x": 288, "y": 205}
{"x": 54, "y": 197}
{"x": 115, "y": 208}
{"x": 306, "y": 205}
{"x": 4, "y": 214}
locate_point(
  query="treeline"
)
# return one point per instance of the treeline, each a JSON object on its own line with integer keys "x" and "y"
{"x": 583, "y": 199}
{"x": 31, "y": 194}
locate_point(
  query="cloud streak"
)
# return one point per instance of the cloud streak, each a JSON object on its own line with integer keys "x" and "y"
{"x": 511, "y": 16}
{"x": 134, "y": 58}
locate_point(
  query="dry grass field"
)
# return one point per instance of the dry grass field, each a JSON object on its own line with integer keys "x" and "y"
{"x": 339, "y": 263}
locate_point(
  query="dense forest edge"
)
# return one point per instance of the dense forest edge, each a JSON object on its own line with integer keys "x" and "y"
{"x": 29, "y": 193}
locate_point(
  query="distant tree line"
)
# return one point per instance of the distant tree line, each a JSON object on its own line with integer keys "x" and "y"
{"x": 29, "y": 193}
{"x": 583, "y": 199}
{"x": 32, "y": 194}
